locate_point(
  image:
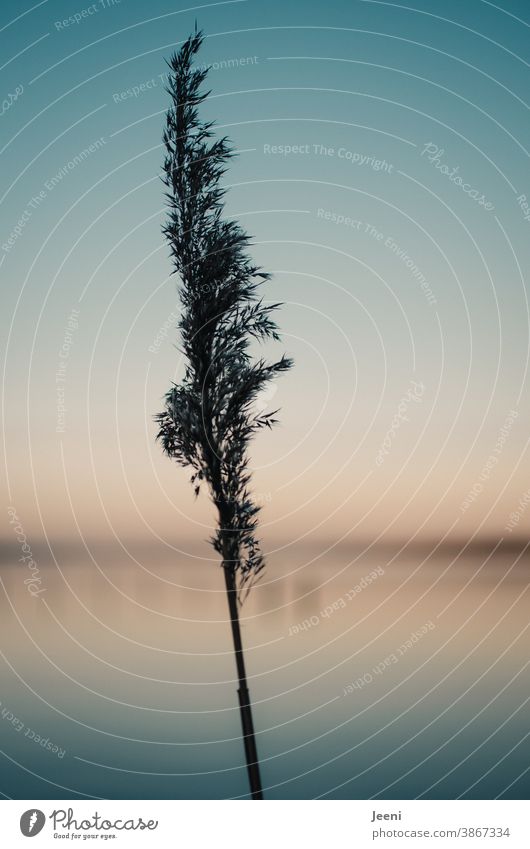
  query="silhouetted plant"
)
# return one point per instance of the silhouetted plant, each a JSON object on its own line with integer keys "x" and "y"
{"x": 210, "y": 417}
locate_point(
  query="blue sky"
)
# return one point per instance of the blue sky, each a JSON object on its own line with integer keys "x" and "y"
{"x": 313, "y": 96}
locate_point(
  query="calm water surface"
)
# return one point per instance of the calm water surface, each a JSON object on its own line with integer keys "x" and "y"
{"x": 371, "y": 676}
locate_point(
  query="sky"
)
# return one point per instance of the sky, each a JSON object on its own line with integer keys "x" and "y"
{"x": 382, "y": 174}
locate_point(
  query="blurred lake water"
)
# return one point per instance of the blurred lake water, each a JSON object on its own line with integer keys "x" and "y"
{"x": 372, "y": 675}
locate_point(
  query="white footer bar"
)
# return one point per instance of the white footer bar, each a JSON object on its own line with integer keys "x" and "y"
{"x": 270, "y": 825}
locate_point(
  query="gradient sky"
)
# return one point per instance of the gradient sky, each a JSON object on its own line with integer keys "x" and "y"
{"x": 351, "y": 84}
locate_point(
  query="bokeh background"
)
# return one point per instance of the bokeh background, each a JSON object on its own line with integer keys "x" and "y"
{"x": 403, "y": 445}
